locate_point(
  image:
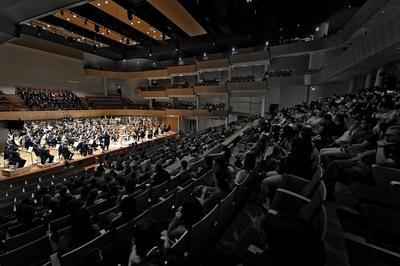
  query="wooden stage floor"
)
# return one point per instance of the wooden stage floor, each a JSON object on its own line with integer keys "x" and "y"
{"x": 32, "y": 169}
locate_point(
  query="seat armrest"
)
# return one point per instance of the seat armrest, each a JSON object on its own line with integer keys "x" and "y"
{"x": 293, "y": 183}
{"x": 288, "y": 202}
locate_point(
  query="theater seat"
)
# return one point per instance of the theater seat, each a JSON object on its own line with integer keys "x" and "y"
{"x": 34, "y": 253}
{"x": 373, "y": 195}
{"x": 199, "y": 239}
{"x": 77, "y": 256}
{"x": 361, "y": 253}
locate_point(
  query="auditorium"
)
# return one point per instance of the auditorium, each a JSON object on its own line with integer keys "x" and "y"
{"x": 199, "y": 133}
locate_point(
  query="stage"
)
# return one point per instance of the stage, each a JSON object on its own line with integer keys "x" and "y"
{"x": 33, "y": 168}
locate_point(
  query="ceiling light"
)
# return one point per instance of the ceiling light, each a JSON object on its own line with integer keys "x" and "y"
{"x": 137, "y": 62}
{"x": 74, "y": 16}
{"x": 106, "y": 2}
{"x": 68, "y": 19}
{"x": 98, "y": 4}
{"x": 205, "y": 54}
{"x": 317, "y": 28}
{"x": 131, "y": 23}
{"x": 138, "y": 22}
{"x": 124, "y": 60}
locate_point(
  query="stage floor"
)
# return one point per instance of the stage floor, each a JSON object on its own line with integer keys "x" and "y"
{"x": 31, "y": 167}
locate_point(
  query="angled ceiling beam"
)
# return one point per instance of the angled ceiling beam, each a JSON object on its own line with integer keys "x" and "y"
{"x": 115, "y": 10}
{"x": 66, "y": 33}
{"x": 84, "y": 23}
{"x": 175, "y": 12}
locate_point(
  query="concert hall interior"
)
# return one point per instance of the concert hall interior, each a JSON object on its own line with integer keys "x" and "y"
{"x": 199, "y": 132}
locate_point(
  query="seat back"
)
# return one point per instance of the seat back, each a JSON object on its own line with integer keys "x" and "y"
{"x": 158, "y": 191}
{"x": 395, "y": 186}
{"x": 25, "y": 238}
{"x": 62, "y": 222}
{"x": 204, "y": 180}
{"x": 76, "y": 256}
{"x": 142, "y": 201}
{"x": 29, "y": 254}
{"x": 163, "y": 209}
{"x": 101, "y": 206}
{"x": 383, "y": 176}
{"x": 226, "y": 208}
{"x": 199, "y": 239}
{"x": 180, "y": 246}
{"x": 181, "y": 194}
{"x": 124, "y": 234}
{"x": 309, "y": 210}
{"x": 311, "y": 186}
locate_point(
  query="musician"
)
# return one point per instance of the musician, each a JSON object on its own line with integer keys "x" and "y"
{"x": 106, "y": 138}
{"x": 65, "y": 152}
{"x": 43, "y": 154}
{"x": 11, "y": 153}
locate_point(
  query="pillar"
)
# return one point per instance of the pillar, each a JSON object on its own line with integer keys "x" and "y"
{"x": 351, "y": 86}
{"x": 263, "y": 103}
{"x": 174, "y": 101}
{"x": 105, "y": 86}
{"x": 379, "y": 78}
{"x": 151, "y": 103}
{"x": 229, "y": 108}
{"x": 368, "y": 81}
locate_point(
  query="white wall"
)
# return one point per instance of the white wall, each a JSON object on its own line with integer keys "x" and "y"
{"x": 20, "y": 66}
{"x": 291, "y": 96}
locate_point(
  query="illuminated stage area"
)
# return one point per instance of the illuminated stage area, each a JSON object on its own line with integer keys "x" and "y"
{"x": 44, "y": 145}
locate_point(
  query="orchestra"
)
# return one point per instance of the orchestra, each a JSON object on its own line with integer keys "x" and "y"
{"x": 83, "y": 135}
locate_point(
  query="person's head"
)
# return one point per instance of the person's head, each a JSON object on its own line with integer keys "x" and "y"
{"x": 25, "y": 213}
{"x": 249, "y": 161}
{"x": 92, "y": 196}
{"x": 158, "y": 168}
{"x": 392, "y": 134}
{"x": 130, "y": 186}
{"x": 365, "y": 123}
{"x": 145, "y": 237}
{"x": 184, "y": 164}
{"x": 221, "y": 179}
{"x": 386, "y": 103}
{"x": 128, "y": 206}
{"x": 209, "y": 161}
{"x": 81, "y": 224}
{"x": 339, "y": 119}
{"x": 191, "y": 211}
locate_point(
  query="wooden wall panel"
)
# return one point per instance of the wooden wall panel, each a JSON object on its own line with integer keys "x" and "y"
{"x": 213, "y": 64}
{"x": 209, "y": 90}
{"x": 180, "y": 92}
{"x": 172, "y": 121}
{"x": 174, "y": 70}
{"x": 179, "y": 112}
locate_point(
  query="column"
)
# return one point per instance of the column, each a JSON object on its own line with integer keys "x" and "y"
{"x": 263, "y": 103}
{"x": 351, "y": 86}
{"x": 368, "y": 81}
{"x": 379, "y": 78}
{"x": 197, "y": 102}
{"x": 105, "y": 86}
{"x": 229, "y": 108}
{"x": 174, "y": 102}
{"x": 151, "y": 103}
{"x": 229, "y": 73}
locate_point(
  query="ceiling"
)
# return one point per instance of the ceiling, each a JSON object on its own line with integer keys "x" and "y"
{"x": 182, "y": 28}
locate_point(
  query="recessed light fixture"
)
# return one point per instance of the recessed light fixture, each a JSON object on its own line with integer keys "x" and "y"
{"x": 98, "y": 4}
